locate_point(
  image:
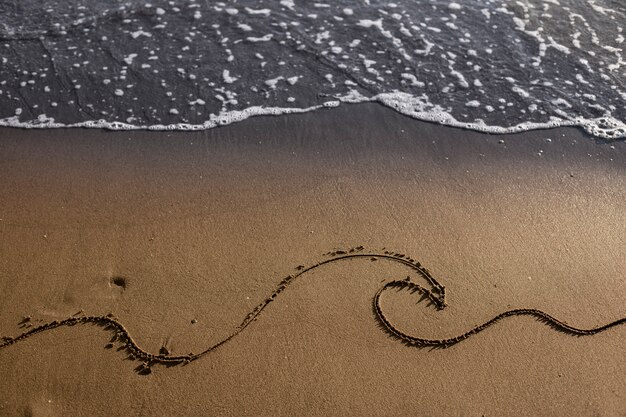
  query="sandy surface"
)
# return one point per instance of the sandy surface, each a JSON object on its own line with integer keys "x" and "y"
{"x": 203, "y": 226}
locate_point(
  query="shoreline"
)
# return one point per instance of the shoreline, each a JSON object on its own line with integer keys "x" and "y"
{"x": 604, "y": 128}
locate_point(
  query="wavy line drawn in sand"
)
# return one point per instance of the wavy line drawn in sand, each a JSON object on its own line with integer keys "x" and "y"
{"x": 436, "y": 296}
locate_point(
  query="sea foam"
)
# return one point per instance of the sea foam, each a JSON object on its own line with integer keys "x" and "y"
{"x": 497, "y": 67}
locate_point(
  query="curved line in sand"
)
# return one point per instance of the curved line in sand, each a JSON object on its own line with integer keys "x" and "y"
{"x": 436, "y": 296}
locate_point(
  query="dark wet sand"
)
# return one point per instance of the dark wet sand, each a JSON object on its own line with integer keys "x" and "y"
{"x": 202, "y": 226}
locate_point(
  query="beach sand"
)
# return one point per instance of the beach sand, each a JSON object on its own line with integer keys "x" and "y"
{"x": 180, "y": 235}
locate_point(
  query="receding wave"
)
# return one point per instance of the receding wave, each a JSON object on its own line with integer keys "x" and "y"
{"x": 493, "y": 66}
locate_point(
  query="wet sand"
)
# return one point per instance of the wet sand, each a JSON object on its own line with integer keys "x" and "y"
{"x": 180, "y": 235}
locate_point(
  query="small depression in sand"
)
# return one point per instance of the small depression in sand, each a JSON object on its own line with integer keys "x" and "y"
{"x": 118, "y": 283}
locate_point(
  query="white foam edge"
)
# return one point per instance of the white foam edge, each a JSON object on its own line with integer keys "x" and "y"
{"x": 415, "y": 107}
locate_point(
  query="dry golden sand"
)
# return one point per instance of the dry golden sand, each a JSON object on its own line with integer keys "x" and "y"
{"x": 203, "y": 226}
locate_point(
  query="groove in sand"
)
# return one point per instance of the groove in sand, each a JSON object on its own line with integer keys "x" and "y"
{"x": 436, "y": 296}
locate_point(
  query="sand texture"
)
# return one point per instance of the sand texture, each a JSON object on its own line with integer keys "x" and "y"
{"x": 291, "y": 239}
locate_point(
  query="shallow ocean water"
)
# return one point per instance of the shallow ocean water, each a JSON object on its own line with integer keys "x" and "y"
{"x": 495, "y": 66}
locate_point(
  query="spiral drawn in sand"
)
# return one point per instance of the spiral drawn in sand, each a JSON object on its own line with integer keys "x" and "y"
{"x": 436, "y": 295}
